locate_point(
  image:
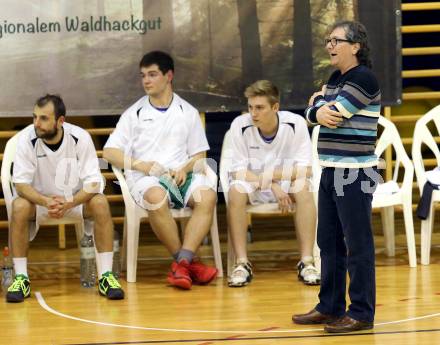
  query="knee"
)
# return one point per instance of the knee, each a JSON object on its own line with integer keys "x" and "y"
{"x": 21, "y": 209}
{"x": 157, "y": 197}
{"x": 99, "y": 205}
{"x": 208, "y": 199}
{"x": 237, "y": 197}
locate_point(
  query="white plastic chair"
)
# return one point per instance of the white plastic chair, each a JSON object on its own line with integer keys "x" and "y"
{"x": 267, "y": 209}
{"x": 390, "y": 194}
{"x": 8, "y": 192}
{"x": 134, "y": 214}
{"x": 422, "y": 135}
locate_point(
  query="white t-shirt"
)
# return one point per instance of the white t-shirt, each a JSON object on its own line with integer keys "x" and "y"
{"x": 63, "y": 172}
{"x": 291, "y": 145}
{"x": 169, "y": 138}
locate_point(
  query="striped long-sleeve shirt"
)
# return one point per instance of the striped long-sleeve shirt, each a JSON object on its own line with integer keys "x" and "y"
{"x": 357, "y": 97}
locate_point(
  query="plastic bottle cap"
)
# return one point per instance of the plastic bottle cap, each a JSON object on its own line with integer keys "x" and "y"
{"x": 5, "y": 251}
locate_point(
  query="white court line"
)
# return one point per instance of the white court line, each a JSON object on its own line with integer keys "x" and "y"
{"x": 44, "y": 305}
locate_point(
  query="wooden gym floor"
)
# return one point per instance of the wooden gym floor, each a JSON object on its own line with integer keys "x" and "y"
{"x": 62, "y": 312}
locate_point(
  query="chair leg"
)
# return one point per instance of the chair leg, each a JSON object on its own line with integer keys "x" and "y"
{"x": 124, "y": 245}
{"x": 409, "y": 229}
{"x": 215, "y": 241}
{"x": 61, "y": 236}
{"x": 231, "y": 255}
{"x": 79, "y": 230}
{"x": 426, "y": 232}
{"x": 133, "y": 224}
{"x": 387, "y": 215}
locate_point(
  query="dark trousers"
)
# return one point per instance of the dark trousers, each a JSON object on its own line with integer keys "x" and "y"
{"x": 346, "y": 241}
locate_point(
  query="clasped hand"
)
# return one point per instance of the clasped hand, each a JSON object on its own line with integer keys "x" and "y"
{"x": 57, "y": 206}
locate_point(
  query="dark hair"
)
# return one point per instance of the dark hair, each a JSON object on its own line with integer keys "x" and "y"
{"x": 163, "y": 60}
{"x": 56, "y": 100}
{"x": 356, "y": 32}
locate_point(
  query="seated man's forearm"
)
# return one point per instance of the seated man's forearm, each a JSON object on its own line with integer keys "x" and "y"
{"x": 196, "y": 163}
{"x": 292, "y": 173}
{"x": 84, "y": 195}
{"x": 117, "y": 158}
{"x": 29, "y": 193}
{"x": 265, "y": 179}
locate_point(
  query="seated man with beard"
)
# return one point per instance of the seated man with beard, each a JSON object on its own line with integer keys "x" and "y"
{"x": 56, "y": 174}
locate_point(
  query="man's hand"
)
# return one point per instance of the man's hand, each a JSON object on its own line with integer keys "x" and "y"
{"x": 284, "y": 201}
{"x": 327, "y": 117}
{"x": 317, "y": 93}
{"x": 179, "y": 176}
{"x": 58, "y": 206}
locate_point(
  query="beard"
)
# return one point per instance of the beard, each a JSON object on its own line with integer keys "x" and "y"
{"x": 48, "y": 135}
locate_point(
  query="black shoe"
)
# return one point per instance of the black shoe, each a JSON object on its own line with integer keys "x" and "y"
{"x": 109, "y": 286}
{"x": 19, "y": 289}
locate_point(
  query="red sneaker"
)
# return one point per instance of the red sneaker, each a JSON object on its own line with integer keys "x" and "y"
{"x": 179, "y": 275}
{"x": 200, "y": 273}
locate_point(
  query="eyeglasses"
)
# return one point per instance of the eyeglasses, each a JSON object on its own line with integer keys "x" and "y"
{"x": 334, "y": 41}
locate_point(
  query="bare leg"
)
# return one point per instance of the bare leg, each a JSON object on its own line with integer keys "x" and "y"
{"x": 98, "y": 209}
{"x": 22, "y": 212}
{"x": 305, "y": 220}
{"x": 200, "y": 222}
{"x": 161, "y": 220}
{"x": 238, "y": 220}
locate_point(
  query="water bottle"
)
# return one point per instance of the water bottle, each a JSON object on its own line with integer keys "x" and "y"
{"x": 87, "y": 262}
{"x": 116, "y": 256}
{"x": 7, "y": 270}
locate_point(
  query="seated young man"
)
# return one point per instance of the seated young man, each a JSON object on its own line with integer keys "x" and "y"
{"x": 56, "y": 174}
{"x": 271, "y": 163}
{"x": 160, "y": 141}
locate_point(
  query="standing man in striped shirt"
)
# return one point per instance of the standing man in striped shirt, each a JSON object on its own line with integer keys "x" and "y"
{"x": 347, "y": 108}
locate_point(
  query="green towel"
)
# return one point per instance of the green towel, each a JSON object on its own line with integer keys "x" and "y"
{"x": 177, "y": 194}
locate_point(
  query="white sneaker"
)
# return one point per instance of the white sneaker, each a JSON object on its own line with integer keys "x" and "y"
{"x": 308, "y": 273}
{"x": 241, "y": 275}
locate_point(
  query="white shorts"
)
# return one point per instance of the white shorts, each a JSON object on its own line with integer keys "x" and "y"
{"x": 257, "y": 196}
{"x": 142, "y": 185}
{"x": 42, "y": 218}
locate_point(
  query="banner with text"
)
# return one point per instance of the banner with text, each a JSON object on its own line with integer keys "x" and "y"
{"x": 88, "y": 51}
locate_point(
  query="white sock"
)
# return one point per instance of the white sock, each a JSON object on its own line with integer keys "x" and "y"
{"x": 242, "y": 260}
{"x": 106, "y": 259}
{"x": 20, "y": 266}
{"x": 307, "y": 260}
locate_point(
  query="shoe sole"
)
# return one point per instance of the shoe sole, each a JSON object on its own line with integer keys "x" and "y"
{"x": 238, "y": 285}
{"x": 331, "y": 330}
{"x": 17, "y": 300}
{"x": 313, "y": 322}
{"x": 206, "y": 281}
{"x": 113, "y": 297}
{"x": 301, "y": 279}
{"x": 181, "y": 283}
{"x": 230, "y": 284}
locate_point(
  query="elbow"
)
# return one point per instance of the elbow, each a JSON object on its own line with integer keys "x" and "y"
{"x": 107, "y": 155}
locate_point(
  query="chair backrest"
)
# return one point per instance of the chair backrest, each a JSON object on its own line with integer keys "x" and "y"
{"x": 128, "y": 199}
{"x": 391, "y": 136}
{"x": 6, "y": 172}
{"x": 422, "y": 135}
{"x": 225, "y": 163}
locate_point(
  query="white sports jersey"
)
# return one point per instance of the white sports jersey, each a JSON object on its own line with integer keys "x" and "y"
{"x": 291, "y": 145}
{"x": 62, "y": 172}
{"x": 169, "y": 138}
